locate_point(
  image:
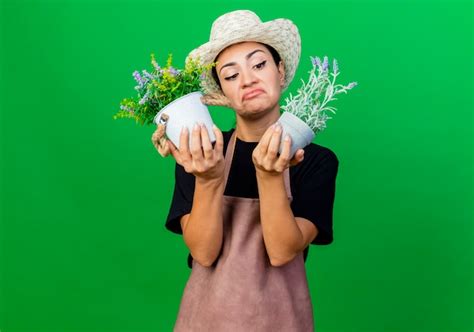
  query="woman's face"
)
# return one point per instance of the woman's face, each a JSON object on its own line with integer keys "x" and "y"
{"x": 250, "y": 79}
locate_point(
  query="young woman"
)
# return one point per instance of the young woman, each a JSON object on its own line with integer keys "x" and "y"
{"x": 246, "y": 213}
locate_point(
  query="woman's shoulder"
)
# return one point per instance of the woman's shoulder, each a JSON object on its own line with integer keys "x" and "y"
{"x": 318, "y": 159}
{"x": 320, "y": 152}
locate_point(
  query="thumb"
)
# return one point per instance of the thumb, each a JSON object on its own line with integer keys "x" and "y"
{"x": 299, "y": 156}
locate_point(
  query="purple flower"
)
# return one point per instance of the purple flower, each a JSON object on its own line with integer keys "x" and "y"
{"x": 325, "y": 63}
{"x": 147, "y": 75}
{"x": 144, "y": 99}
{"x": 173, "y": 71}
{"x": 334, "y": 65}
{"x": 138, "y": 78}
{"x": 351, "y": 85}
{"x": 316, "y": 61}
{"x": 203, "y": 76}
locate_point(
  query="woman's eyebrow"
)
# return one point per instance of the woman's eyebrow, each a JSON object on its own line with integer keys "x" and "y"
{"x": 246, "y": 57}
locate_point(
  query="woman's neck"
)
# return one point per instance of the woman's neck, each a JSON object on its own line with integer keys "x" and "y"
{"x": 251, "y": 130}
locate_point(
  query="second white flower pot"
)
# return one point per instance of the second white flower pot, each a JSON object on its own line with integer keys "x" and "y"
{"x": 185, "y": 112}
{"x": 301, "y": 134}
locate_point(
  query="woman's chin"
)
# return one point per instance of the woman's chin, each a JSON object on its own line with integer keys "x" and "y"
{"x": 253, "y": 112}
{"x": 254, "y": 108}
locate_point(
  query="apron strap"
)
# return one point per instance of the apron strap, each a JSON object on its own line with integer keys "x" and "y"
{"x": 228, "y": 162}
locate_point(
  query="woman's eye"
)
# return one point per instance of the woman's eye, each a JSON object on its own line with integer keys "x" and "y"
{"x": 258, "y": 66}
{"x": 261, "y": 64}
{"x": 231, "y": 77}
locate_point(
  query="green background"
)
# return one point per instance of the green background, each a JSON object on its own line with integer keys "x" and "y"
{"x": 84, "y": 198}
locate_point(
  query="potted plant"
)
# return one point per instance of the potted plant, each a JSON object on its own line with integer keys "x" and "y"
{"x": 169, "y": 96}
{"x": 306, "y": 113}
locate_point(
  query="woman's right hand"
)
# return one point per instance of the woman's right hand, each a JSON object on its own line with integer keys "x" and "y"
{"x": 199, "y": 157}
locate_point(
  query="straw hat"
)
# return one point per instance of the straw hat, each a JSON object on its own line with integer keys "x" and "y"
{"x": 244, "y": 25}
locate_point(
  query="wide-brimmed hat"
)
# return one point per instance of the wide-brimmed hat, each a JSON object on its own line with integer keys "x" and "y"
{"x": 244, "y": 25}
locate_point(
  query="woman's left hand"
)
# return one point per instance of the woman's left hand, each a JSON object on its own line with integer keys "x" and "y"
{"x": 265, "y": 155}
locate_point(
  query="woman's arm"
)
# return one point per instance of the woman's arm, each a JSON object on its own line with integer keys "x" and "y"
{"x": 284, "y": 235}
{"x": 202, "y": 227}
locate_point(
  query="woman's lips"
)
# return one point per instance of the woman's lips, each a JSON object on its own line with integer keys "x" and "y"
{"x": 252, "y": 94}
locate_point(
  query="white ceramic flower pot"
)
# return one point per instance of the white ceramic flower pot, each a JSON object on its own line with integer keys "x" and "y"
{"x": 185, "y": 112}
{"x": 301, "y": 134}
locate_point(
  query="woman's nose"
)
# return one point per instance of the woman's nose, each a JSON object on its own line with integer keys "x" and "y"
{"x": 248, "y": 77}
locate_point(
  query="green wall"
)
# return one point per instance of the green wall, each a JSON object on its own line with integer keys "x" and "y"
{"x": 84, "y": 198}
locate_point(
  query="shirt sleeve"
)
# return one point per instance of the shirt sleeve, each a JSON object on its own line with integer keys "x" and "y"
{"x": 313, "y": 198}
{"x": 182, "y": 200}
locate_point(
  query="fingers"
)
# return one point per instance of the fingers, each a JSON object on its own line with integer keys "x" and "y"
{"x": 274, "y": 144}
{"x": 195, "y": 147}
{"x": 263, "y": 144}
{"x": 206, "y": 142}
{"x": 266, "y": 156}
{"x": 184, "y": 141}
{"x": 298, "y": 157}
{"x": 175, "y": 153}
{"x": 196, "y": 153}
{"x": 201, "y": 146}
{"x": 283, "y": 160}
{"x": 219, "y": 147}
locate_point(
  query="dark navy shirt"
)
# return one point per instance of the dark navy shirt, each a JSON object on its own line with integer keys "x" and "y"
{"x": 312, "y": 182}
